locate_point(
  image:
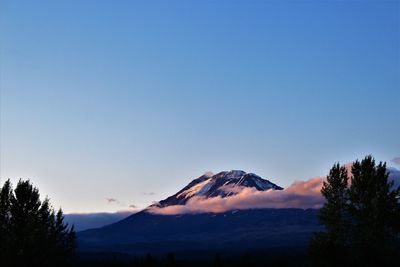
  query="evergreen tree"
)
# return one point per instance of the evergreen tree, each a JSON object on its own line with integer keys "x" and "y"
{"x": 31, "y": 233}
{"x": 245, "y": 260}
{"x": 362, "y": 220}
{"x": 171, "y": 259}
{"x": 149, "y": 260}
{"x": 5, "y": 233}
{"x": 375, "y": 212}
{"x": 217, "y": 262}
{"x": 330, "y": 245}
{"x": 333, "y": 213}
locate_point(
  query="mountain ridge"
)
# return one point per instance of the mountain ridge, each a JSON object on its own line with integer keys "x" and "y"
{"x": 146, "y": 231}
{"x": 222, "y": 184}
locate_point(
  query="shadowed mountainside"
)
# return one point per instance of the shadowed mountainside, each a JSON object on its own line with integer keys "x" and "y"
{"x": 262, "y": 228}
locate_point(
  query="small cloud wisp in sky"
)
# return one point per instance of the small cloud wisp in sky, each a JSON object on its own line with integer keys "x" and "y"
{"x": 112, "y": 200}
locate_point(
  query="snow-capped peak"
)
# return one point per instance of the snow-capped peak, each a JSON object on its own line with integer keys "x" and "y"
{"x": 222, "y": 184}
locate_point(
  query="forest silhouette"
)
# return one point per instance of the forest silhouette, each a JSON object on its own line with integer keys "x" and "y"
{"x": 361, "y": 218}
{"x": 32, "y": 233}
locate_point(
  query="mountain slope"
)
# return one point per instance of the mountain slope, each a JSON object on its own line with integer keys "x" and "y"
{"x": 254, "y": 228}
{"x": 223, "y": 184}
{"x": 144, "y": 232}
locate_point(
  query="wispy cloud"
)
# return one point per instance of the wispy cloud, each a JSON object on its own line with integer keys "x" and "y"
{"x": 124, "y": 206}
{"x": 394, "y": 175}
{"x": 396, "y": 160}
{"x": 301, "y": 194}
{"x": 112, "y": 200}
{"x": 148, "y": 193}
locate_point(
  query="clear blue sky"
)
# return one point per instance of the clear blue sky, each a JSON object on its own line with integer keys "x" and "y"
{"x": 123, "y": 99}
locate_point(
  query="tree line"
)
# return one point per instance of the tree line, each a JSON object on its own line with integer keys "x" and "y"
{"x": 361, "y": 216}
{"x": 32, "y": 233}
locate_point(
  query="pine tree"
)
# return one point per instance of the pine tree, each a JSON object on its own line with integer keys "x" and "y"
{"x": 31, "y": 233}
{"x": 375, "y": 212}
{"x": 149, "y": 260}
{"x": 5, "y": 233}
{"x": 171, "y": 259}
{"x": 333, "y": 213}
{"x": 362, "y": 220}
{"x": 330, "y": 245}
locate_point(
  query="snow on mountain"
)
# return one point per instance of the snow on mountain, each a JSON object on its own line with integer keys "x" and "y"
{"x": 223, "y": 184}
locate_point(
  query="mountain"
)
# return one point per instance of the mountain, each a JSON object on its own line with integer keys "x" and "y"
{"x": 223, "y": 184}
{"x": 84, "y": 221}
{"x": 145, "y": 232}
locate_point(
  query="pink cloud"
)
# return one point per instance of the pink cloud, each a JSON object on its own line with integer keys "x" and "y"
{"x": 301, "y": 194}
{"x": 396, "y": 160}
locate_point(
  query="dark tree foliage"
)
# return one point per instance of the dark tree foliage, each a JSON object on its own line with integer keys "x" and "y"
{"x": 217, "y": 260}
{"x": 361, "y": 217}
{"x": 332, "y": 215}
{"x": 330, "y": 245}
{"x": 31, "y": 233}
{"x": 171, "y": 262}
{"x": 149, "y": 260}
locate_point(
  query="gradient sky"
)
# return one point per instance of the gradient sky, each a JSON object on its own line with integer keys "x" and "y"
{"x": 133, "y": 99}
